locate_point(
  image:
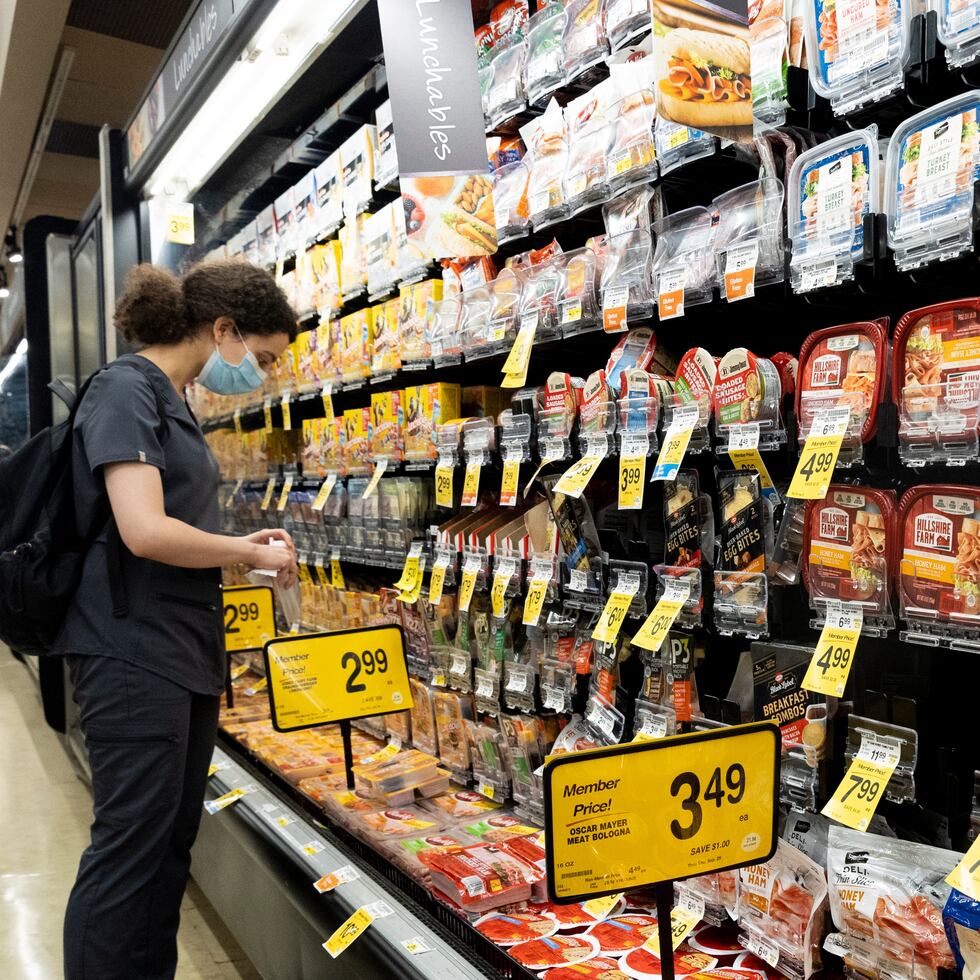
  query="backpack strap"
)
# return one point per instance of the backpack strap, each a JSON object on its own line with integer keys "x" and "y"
{"x": 114, "y": 543}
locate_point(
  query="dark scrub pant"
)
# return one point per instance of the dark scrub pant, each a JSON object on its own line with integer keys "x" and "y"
{"x": 149, "y": 744}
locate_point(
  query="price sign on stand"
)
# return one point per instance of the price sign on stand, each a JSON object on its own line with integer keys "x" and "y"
{"x": 250, "y": 619}
{"x": 321, "y": 678}
{"x": 648, "y": 813}
{"x": 856, "y": 799}
{"x": 815, "y": 469}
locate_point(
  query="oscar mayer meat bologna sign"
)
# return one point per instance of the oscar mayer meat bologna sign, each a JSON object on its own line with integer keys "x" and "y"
{"x": 652, "y": 812}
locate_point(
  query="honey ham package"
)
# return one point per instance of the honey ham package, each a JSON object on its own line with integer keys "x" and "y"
{"x": 940, "y": 568}
{"x": 850, "y": 550}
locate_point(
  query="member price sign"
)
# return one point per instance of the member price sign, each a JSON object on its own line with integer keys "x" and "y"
{"x": 250, "y": 619}
{"x": 653, "y": 812}
{"x": 328, "y": 677}
{"x": 815, "y": 469}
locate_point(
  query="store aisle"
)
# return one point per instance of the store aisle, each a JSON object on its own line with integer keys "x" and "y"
{"x": 44, "y": 817}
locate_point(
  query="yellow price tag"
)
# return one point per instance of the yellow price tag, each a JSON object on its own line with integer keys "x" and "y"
{"x": 267, "y": 413}
{"x": 678, "y": 137}
{"x": 537, "y": 591}
{"x": 676, "y": 440}
{"x": 348, "y": 932}
{"x": 240, "y": 671}
{"x": 632, "y": 473}
{"x": 379, "y": 471}
{"x": 743, "y": 451}
{"x": 327, "y": 397}
{"x": 284, "y": 496}
{"x": 657, "y": 625}
{"x": 321, "y": 572}
{"x": 508, "y": 482}
{"x": 323, "y": 494}
{"x": 965, "y": 877}
{"x": 411, "y": 567}
{"x": 520, "y": 354}
{"x": 815, "y": 469}
{"x": 437, "y": 580}
{"x": 498, "y": 591}
{"x": 180, "y": 224}
{"x": 336, "y": 572}
{"x": 471, "y": 483}
{"x": 412, "y": 593}
{"x": 238, "y": 421}
{"x": 856, "y": 799}
{"x": 303, "y": 570}
{"x": 614, "y": 613}
{"x": 250, "y": 619}
{"x": 444, "y": 483}
{"x": 327, "y": 677}
{"x": 628, "y": 816}
{"x": 466, "y": 586}
{"x": 287, "y": 417}
{"x": 269, "y": 490}
{"x": 601, "y": 907}
{"x": 834, "y": 654}
{"x": 257, "y": 687}
{"x": 576, "y": 478}
{"x": 683, "y": 921}
{"x": 212, "y": 769}
{"x": 232, "y": 796}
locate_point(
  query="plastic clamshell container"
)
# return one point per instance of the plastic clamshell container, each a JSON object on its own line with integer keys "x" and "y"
{"x": 936, "y": 382}
{"x": 752, "y": 213}
{"x": 932, "y": 166}
{"x": 578, "y": 308}
{"x": 474, "y": 323}
{"x": 506, "y": 95}
{"x": 631, "y": 150}
{"x": 684, "y": 240}
{"x": 625, "y": 20}
{"x": 840, "y": 366}
{"x": 540, "y": 297}
{"x": 959, "y": 31}
{"x": 678, "y": 145}
{"x": 510, "y": 205}
{"x": 826, "y": 205}
{"x": 545, "y": 68}
{"x": 583, "y": 41}
{"x": 858, "y": 49}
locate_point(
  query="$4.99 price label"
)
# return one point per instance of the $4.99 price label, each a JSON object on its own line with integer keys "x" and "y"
{"x": 614, "y": 612}
{"x": 632, "y": 470}
{"x": 856, "y": 799}
{"x": 634, "y": 815}
{"x": 657, "y": 625}
{"x": 832, "y": 659}
{"x": 815, "y": 469}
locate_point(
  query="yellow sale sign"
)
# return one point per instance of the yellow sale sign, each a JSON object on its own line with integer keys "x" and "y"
{"x": 250, "y": 619}
{"x": 647, "y": 812}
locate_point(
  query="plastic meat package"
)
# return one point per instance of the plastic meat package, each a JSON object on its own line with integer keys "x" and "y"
{"x": 632, "y": 151}
{"x": 749, "y": 231}
{"x": 510, "y": 204}
{"x": 479, "y": 877}
{"x": 684, "y": 258}
{"x": 545, "y": 69}
{"x": 585, "y": 123}
{"x": 547, "y": 145}
{"x": 584, "y": 41}
{"x": 506, "y": 95}
{"x": 626, "y": 19}
{"x": 959, "y": 31}
{"x": 781, "y": 902}
{"x": 891, "y": 893}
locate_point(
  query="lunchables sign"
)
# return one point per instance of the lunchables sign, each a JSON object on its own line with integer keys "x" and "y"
{"x": 653, "y": 812}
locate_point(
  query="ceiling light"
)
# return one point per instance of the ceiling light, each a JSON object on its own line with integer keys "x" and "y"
{"x": 14, "y": 254}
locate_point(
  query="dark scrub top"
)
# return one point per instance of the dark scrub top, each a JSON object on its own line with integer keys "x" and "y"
{"x": 174, "y": 625}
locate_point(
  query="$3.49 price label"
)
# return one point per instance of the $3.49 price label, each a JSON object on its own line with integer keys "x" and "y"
{"x": 614, "y": 612}
{"x": 444, "y": 482}
{"x": 856, "y": 799}
{"x": 815, "y": 469}
{"x": 633, "y": 470}
{"x": 657, "y": 625}
{"x": 832, "y": 659}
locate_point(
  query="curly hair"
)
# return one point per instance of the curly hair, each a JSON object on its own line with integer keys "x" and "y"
{"x": 157, "y": 307}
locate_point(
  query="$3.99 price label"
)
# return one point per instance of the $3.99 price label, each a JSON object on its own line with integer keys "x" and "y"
{"x": 321, "y": 678}
{"x": 634, "y": 815}
{"x": 250, "y": 619}
{"x": 632, "y": 471}
{"x": 831, "y": 662}
{"x": 815, "y": 469}
{"x": 856, "y": 799}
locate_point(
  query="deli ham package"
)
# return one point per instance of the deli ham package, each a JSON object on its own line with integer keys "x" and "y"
{"x": 888, "y": 895}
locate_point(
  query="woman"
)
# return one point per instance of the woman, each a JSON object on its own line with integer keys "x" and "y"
{"x": 144, "y": 636}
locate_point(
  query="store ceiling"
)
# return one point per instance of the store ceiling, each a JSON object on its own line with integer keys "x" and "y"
{"x": 117, "y": 46}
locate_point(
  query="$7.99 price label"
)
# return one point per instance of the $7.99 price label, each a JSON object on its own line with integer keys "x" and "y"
{"x": 815, "y": 469}
{"x": 856, "y": 799}
{"x": 831, "y": 663}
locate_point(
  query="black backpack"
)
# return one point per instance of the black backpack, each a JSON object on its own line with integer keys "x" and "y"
{"x": 41, "y": 551}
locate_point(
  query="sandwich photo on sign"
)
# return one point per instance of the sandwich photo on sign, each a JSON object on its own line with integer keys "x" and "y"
{"x": 702, "y": 65}
{"x": 450, "y": 216}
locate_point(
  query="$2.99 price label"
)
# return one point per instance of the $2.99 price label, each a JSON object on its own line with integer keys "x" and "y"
{"x": 250, "y": 620}
{"x": 634, "y": 815}
{"x": 321, "y": 678}
{"x": 444, "y": 484}
{"x": 856, "y": 799}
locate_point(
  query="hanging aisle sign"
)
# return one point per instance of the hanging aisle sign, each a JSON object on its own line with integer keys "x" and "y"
{"x": 634, "y": 815}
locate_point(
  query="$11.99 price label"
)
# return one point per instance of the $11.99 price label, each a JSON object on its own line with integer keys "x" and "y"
{"x": 634, "y": 815}
{"x": 856, "y": 799}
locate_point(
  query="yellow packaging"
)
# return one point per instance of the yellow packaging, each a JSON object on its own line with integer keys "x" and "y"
{"x": 416, "y": 310}
{"x": 386, "y": 425}
{"x": 325, "y": 272}
{"x": 386, "y": 354}
{"x": 425, "y": 407}
{"x": 357, "y": 439}
{"x": 357, "y": 331}
{"x": 333, "y": 436}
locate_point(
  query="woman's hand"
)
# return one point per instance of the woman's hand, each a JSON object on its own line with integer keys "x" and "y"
{"x": 280, "y": 558}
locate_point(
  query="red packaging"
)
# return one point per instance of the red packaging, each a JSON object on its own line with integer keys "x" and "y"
{"x": 850, "y": 542}
{"x": 787, "y": 365}
{"x": 540, "y": 954}
{"x": 599, "y": 968}
{"x": 940, "y": 565}
{"x": 622, "y": 933}
{"x": 696, "y": 374}
{"x": 560, "y": 393}
{"x": 479, "y": 877}
{"x": 936, "y": 345}
{"x": 528, "y": 850}
{"x": 595, "y": 400}
{"x": 644, "y": 964}
{"x": 517, "y": 927}
{"x": 843, "y": 366}
{"x": 509, "y": 17}
{"x": 635, "y": 349}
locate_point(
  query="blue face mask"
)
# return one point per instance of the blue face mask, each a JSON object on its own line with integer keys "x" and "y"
{"x": 224, "y": 378}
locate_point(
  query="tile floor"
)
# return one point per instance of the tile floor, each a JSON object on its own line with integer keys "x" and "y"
{"x": 44, "y": 817}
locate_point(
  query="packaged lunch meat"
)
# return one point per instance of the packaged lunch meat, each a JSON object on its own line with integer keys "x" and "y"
{"x": 961, "y": 916}
{"x": 850, "y": 548}
{"x": 891, "y": 893}
{"x": 460, "y": 804}
{"x": 409, "y": 821}
{"x": 743, "y": 524}
{"x": 696, "y": 374}
{"x": 575, "y": 915}
{"x": 480, "y": 877}
{"x": 597, "y": 968}
{"x": 747, "y": 389}
{"x": 782, "y": 903}
{"x": 515, "y": 927}
{"x": 843, "y": 367}
{"x": 939, "y": 582}
{"x": 634, "y": 350}
{"x": 682, "y": 521}
{"x": 550, "y": 951}
{"x": 936, "y": 380}
{"x": 644, "y": 963}
{"x": 622, "y": 933}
